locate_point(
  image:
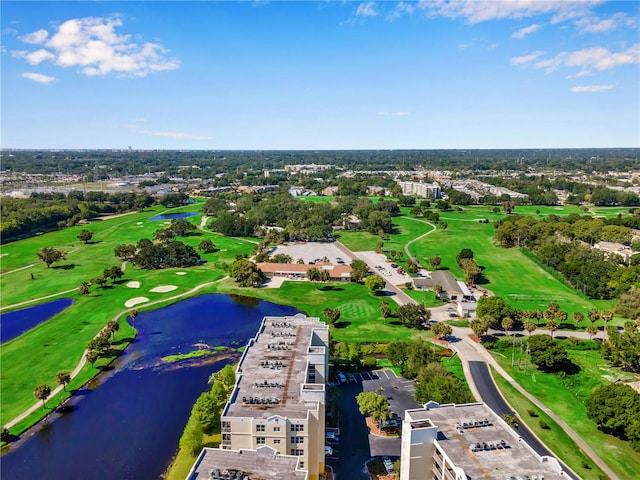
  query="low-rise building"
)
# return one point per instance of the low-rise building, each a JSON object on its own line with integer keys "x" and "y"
{"x": 337, "y": 273}
{"x": 468, "y": 442}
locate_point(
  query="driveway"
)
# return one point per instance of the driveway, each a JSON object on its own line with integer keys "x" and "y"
{"x": 356, "y": 445}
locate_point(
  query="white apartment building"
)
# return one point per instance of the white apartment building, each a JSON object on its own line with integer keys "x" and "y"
{"x": 468, "y": 442}
{"x": 424, "y": 190}
{"x": 279, "y": 397}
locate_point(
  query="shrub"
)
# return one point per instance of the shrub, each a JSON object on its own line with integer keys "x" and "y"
{"x": 370, "y": 362}
{"x": 544, "y": 425}
{"x": 532, "y": 412}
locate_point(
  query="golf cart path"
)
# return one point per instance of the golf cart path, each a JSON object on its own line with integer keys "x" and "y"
{"x": 83, "y": 359}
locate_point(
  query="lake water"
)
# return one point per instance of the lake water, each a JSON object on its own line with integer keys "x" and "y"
{"x": 129, "y": 426}
{"x": 171, "y": 216}
{"x": 13, "y": 324}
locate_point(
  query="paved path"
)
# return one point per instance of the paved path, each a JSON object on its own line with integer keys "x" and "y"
{"x": 83, "y": 359}
{"x": 433, "y": 229}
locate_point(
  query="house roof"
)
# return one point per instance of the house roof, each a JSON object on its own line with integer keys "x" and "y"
{"x": 439, "y": 277}
{"x": 335, "y": 271}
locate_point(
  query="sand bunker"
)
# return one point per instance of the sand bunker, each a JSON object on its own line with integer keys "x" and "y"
{"x": 135, "y": 301}
{"x": 181, "y": 273}
{"x": 163, "y": 289}
{"x": 133, "y": 284}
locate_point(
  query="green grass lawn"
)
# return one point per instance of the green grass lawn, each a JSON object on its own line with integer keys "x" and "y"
{"x": 507, "y": 272}
{"x": 554, "y": 437}
{"x": 567, "y": 398}
{"x": 360, "y": 319}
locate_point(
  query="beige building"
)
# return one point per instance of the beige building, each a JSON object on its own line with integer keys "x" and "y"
{"x": 279, "y": 397}
{"x": 424, "y": 190}
{"x": 468, "y": 442}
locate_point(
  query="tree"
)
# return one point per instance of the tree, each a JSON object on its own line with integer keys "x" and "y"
{"x": 91, "y": 357}
{"x": 207, "y": 246}
{"x": 385, "y": 310}
{"x": 125, "y": 251}
{"x": 470, "y": 269}
{"x": 614, "y": 407}
{"x": 591, "y": 330}
{"x": 607, "y": 317}
{"x": 441, "y": 330}
{"x": 164, "y": 235}
{"x": 85, "y": 236}
{"x": 413, "y": 316}
{"x": 181, "y": 227}
{"x": 375, "y": 283}
{"x": 281, "y": 258}
{"x": 359, "y": 270}
{"x": 332, "y": 314}
{"x": 552, "y": 326}
{"x": 373, "y": 405}
{"x": 133, "y": 313}
{"x": 246, "y": 273}
{"x": 578, "y": 317}
{"x": 84, "y": 288}
{"x": 546, "y": 352}
{"x": 493, "y": 306}
{"x": 42, "y": 392}
{"x": 208, "y": 407}
{"x": 480, "y": 326}
{"x": 435, "y": 262}
{"x": 63, "y": 378}
{"x": 226, "y": 376}
{"x": 530, "y": 327}
{"x": 507, "y": 324}
{"x": 443, "y": 389}
{"x": 50, "y": 255}
{"x": 112, "y": 327}
{"x": 113, "y": 273}
{"x": 594, "y": 316}
{"x": 437, "y": 289}
{"x": 464, "y": 253}
{"x": 192, "y": 437}
{"x": 100, "y": 281}
{"x": 397, "y": 352}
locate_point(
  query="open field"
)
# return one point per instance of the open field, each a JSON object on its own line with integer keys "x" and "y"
{"x": 567, "y": 398}
{"x": 554, "y": 437}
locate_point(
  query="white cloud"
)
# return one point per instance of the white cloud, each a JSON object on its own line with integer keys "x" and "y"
{"x": 399, "y": 9}
{"x": 589, "y": 59}
{"x": 93, "y": 45}
{"x": 594, "y": 24}
{"x": 38, "y": 77}
{"x": 523, "y": 32}
{"x": 180, "y": 135}
{"x": 526, "y": 58}
{"x": 591, "y": 88}
{"x": 367, "y": 9}
{"x": 36, "y": 37}
{"x": 480, "y": 11}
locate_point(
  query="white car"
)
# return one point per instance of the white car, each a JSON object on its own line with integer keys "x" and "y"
{"x": 388, "y": 464}
{"x": 328, "y": 450}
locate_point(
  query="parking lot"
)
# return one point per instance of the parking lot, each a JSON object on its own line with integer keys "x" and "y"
{"x": 381, "y": 266}
{"x": 312, "y": 251}
{"x": 357, "y": 445}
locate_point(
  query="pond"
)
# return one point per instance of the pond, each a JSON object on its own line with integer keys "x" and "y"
{"x": 171, "y": 216}
{"x": 15, "y": 323}
{"x": 129, "y": 426}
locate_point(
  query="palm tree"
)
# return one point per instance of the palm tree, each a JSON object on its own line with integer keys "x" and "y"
{"x": 594, "y": 315}
{"x": 83, "y": 289}
{"x": 133, "y": 313}
{"x": 112, "y": 327}
{"x": 530, "y": 327}
{"x": 552, "y": 326}
{"x": 63, "y": 378}
{"x": 591, "y": 330}
{"x": 578, "y": 317}
{"x": 606, "y": 316}
{"x": 41, "y": 392}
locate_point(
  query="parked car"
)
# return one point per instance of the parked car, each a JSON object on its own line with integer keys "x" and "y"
{"x": 351, "y": 377}
{"x": 394, "y": 265}
{"x": 388, "y": 464}
{"x": 342, "y": 378}
{"x": 331, "y": 437}
{"x": 328, "y": 450}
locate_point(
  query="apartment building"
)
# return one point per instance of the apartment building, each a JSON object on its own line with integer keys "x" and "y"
{"x": 467, "y": 442}
{"x": 279, "y": 397}
{"x": 424, "y": 190}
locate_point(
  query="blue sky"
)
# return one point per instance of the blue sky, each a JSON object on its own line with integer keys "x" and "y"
{"x": 320, "y": 75}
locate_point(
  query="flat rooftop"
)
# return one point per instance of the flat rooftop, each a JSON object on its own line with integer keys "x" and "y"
{"x": 478, "y": 441}
{"x": 274, "y": 369}
{"x": 264, "y": 464}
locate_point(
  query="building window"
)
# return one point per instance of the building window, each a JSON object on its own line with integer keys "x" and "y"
{"x": 226, "y": 427}
{"x": 301, "y": 464}
{"x": 226, "y": 439}
{"x": 297, "y": 451}
{"x": 276, "y": 429}
{"x": 297, "y": 428}
{"x": 276, "y": 441}
{"x": 259, "y": 428}
{"x": 295, "y": 440}
{"x": 260, "y": 440}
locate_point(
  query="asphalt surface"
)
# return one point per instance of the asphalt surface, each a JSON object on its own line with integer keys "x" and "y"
{"x": 491, "y": 396}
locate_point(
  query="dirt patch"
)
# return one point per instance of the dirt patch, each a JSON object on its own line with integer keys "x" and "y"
{"x": 135, "y": 301}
